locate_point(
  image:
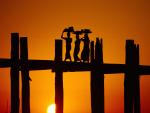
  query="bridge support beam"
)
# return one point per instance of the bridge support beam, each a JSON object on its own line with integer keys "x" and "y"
{"x": 14, "y": 73}
{"x": 97, "y": 80}
{"x": 25, "y": 75}
{"x": 131, "y": 82}
{"x": 58, "y": 77}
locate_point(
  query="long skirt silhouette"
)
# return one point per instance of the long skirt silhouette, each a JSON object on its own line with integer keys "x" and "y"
{"x": 76, "y": 50}
{"x": 68, "y": 48}
{"x": 85, "y": 52}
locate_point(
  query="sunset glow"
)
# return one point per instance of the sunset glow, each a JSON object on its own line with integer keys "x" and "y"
{"x": 42, "y": 22}
{"x": 51, "y": 108}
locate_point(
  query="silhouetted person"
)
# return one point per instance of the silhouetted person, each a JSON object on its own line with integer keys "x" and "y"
{"x": 68, "y": 42}
{"x": 77, "y": 46}
{"x": 86, "y": 50}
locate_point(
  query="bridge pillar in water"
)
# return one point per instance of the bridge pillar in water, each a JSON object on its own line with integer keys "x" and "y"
{"x": 14, "y": 73}
{"x": 97, "y": 79}
{"x": 58, "y": 77}
{"x": 25, "y": 75}
{"x": 131, "y": 81}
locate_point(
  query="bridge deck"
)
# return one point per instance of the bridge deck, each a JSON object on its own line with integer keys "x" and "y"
{"x": 75, "y": 66}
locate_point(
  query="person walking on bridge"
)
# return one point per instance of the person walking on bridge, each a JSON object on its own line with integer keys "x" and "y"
{"x": 86, "y": 49}
{"x": 68, "y": 40}
{"x": 77, "y": 46}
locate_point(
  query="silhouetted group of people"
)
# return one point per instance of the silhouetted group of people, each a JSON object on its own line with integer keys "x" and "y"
{"x": 85, "y": 39}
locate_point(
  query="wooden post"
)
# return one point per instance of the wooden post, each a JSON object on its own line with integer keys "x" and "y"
{"x": 58, "y": 77}
{"x": 131, "y": 82}
{"x": 97, "y": 81}
{"x": 137, "y": 84}
{"x": 14, "y": 73}
{"x": 25, "y": 75}
{"x": 128, "y": 82}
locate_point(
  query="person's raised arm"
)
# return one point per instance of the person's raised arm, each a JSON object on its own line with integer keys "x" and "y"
{"x": 62, "y": 36}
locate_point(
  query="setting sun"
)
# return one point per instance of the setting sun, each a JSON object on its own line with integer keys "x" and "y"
{"x": 51, "y": 108}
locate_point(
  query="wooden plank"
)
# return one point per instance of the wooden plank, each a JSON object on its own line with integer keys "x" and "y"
{"x": 106, "y": 68}
{"x": 14, "y": 73}
{"x": 70, "y": 66}
{"x": 144, "y": 70}
{"x": 75, "y": 66}
{"x": 35, "y": 65}
{"x": 5, "y": 63}
{"x": 25, "y": 75}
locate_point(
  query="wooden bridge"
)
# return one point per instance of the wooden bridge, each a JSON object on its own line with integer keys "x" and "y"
{"x": 19, "y": 62}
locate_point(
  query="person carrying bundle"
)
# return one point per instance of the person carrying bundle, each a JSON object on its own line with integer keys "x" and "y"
{"x": 68, "y": 40}
{"x": 77, "y": 46}
{"x": 86, "y": 49}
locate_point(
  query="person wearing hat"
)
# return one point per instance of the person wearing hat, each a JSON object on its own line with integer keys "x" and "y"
{"x": 77, "y": 46}
{"x": 86, "y": 49}
{"x": 68, "y": 40}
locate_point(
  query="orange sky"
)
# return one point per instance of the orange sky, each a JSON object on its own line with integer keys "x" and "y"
{"x": 43, "y": 21}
